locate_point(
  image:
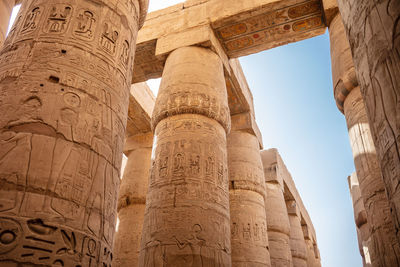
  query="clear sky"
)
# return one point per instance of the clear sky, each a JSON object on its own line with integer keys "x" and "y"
{"x": 296, "y": 113}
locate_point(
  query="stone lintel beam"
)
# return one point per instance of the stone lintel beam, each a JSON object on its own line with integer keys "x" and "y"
{"x": 239, "y": 27}
{"x": 278, "y": 172}
{"x": 246, "y": 122}
{"x": 141, "y": 105}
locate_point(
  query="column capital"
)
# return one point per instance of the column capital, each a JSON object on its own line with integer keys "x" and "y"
{"x": 134, "y": 142}
{"x": 343, "y": 73}
{"x": 191, "y": 85}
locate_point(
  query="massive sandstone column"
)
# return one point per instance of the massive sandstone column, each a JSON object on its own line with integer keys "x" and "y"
{"x": 311, "y": 257}
{"x": 249, "y": 238}
{"x": 132, "y": 200}
{"x": 385, "y": 251}
{"x": 277, "y": 216}
{"x": 6, "y": 7}
{"x": 360, "y": 218}
{"x": 65, "y": 75}
{"x": 297, "y": 242}
{"x": 187, "y": 220}
{"x": 373, "y": 30}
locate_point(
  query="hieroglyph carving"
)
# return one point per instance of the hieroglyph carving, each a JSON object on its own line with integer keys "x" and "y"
{"x": 187, "y": 205}
{"x": 373, "y": 30}
{"x": 63, "y": 100}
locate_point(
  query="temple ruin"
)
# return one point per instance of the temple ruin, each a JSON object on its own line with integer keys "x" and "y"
{"x": 198, "y": 189}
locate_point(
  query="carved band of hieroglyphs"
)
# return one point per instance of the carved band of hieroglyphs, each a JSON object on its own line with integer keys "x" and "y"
{"x": 34, "y": 241}
{"x": 191, "y": 102}
{"x": 274, "y": 33}
{"x": 77, "y": 25}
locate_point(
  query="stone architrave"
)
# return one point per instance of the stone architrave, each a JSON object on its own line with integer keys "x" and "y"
{"x": 297, "y": 242}
{"x": 249, "y": 238}
{"x": 277, "y": 215}
{"x": 373, "y": 30}
{"x": 65, "y": 72}
{"x": 361, "y": 221}
{"x": 386, "y": 250}
{"x": 6, "y": 7}
{"x": 132, "y": 200}
{"x": 187, "y": 221}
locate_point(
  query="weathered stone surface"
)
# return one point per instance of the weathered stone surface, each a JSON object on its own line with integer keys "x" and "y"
{"x": 374, "y": 35}
{"x": 361, "y": 221}
{"x": 297, "y": 243}
{"x": 385, "y": 249}
{"x": 187, "y": 220}
{"x": 277, "y": 216}
{"x": 132, "y": 200}
{"x": 65, "y": 72}
{"x": 6, "y": 7}
{"x": 249, "y": 237}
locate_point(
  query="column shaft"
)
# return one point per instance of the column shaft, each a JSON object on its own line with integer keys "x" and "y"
{"x": 249, "y": 238}
{"x": 361, "y": 221}
{"x": 6, "y": 7}
{"x": 374, "y": 33}
{"x": 65, "y": 75}
{"x": 187, "y": 220}
{"x": 278, "y": 226}
{"x": 310, "y": 253}
{"x": 385, "y": 250}
{"x": 297, "y": 243}
{"x": 132, "y": 201}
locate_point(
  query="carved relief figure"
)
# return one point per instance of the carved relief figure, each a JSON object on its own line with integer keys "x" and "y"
{"x": 195, "y": 242}
{"x": 155, "y": 255}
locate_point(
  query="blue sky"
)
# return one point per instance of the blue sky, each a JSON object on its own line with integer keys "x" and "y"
{"x": 296, "y": 113}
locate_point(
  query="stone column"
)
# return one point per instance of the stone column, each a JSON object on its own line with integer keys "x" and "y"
{"x": 360, "y": 218}
{"x": 277, "y": 216}
{"x": 317, "y": 255}
{"x": 6, "y": 7}
{"x": 249, "y": 238}
{"x": 374, "y": 34}
{"x": 297, "y": 243}
{"x": 132, "y": 199}
{"x": 65, "y": 75}
{"x": 309, "y": 246}
{"x": 386, "y": 250}
{"x": 187, "y": 220}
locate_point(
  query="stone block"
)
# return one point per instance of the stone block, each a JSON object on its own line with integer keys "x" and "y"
{"x": 141, "y": 105}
